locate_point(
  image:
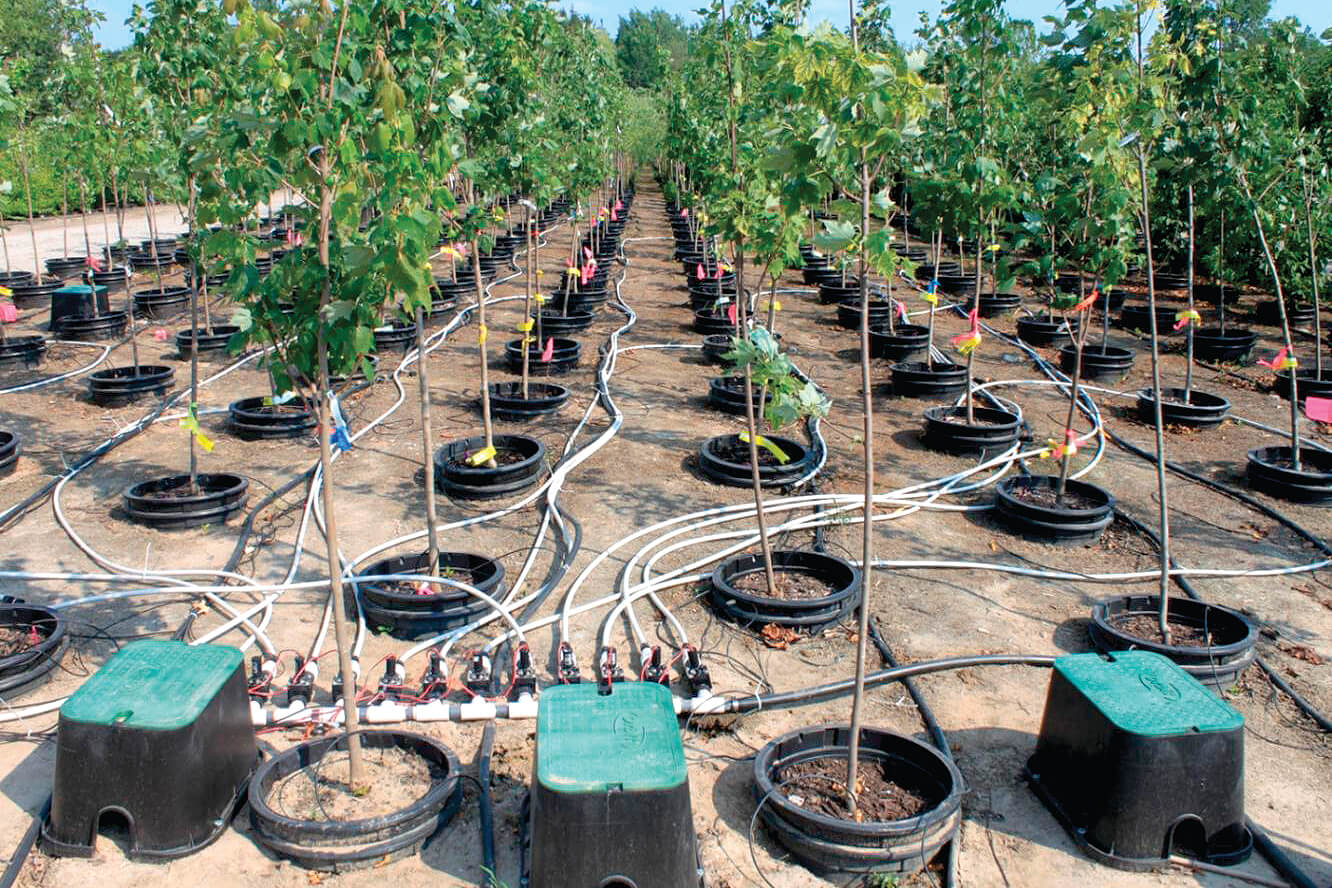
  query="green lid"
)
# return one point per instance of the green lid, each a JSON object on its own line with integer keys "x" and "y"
{"x": 153, "y": 685}
{"x": 80, "y": 289}
{"x": 628, "y": 740}
{"x": 1144, "y": 693}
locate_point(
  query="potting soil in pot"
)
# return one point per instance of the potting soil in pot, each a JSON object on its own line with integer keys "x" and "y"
{"x": 819, "y": 785}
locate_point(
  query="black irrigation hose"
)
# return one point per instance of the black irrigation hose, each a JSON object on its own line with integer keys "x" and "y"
{"x": 1280, "y": 862}
{"x": 936, "y": 737}
{"x": 821, "y": 692}
{"x": 24, "y": 848}
{"x": 489, "y": 879}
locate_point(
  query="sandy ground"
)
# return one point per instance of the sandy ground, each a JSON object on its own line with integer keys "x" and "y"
{"x": 647, "y": 474}
{"x": 66, "y": 236}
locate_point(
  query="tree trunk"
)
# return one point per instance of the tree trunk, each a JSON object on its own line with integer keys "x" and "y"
{"x": 428, "y": 440}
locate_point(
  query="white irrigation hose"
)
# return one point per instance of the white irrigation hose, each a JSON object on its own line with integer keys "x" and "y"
{"x": 87, "y": 368}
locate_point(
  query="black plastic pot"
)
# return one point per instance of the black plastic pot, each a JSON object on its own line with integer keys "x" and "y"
{"x": 1270, "y": 472}
{"x": 993, "y": 304}
{"x": 456, "y": 478}
{"x": 848, "y": 312}
{"x": 835, "y": 292}
{"x": 1233, "y": 636}
{"x": 543, "y": 399}
{"x": 727, "y": 280}
{"x": 1211, "y": 294}
{"x": 809, "y": 614}
{"x": 448, "y": 289}
{"x": 727, "y": 393}
{"x": 926, "y": 272}
{"x": 32, "y": 294}
{"x": 15, "y": 278}
{"x": 1269, "y": 312}
{"x": 123, "y": 385}
{"x": 396, "y": 336}
{"x": 957, "y": 284}
{"x": 114, "y": 279}
{"x": 212, "y": 344}
{"x": 905, "y": 341}
{"x": 1166, "y": 280}
{"x": 1210, "y": 344}
{"x": 917, "y": 379}
{"x": 413, "y": 615}
{"x": 564, "y": 356}
{"x": 736, "y": 473}
{"x": 817, "y": 275}
{"x": 21, "y": 672}
{"x": 1306, "y": 383}
{"x": 715, "y": 347}
{"x": 1052, "y": 522}
{"x": 587, "y": 299}
{"x": 553, "y": 322}
{"x": 1097, "y": 363}
{"x": 993, "y": 431}
{"x": 163, "y": 303}
{"x": 341, "y": 845}
{"x": 705, "y": 297}
{"x": 220, "y": 496}
{"x": 1040, "y": 332}
{"x": 144, "y": 262}
{"x": 9, "y": 452}
{"x": 66, "y": 266}
{"x": 830, "y": 843}
{"x": 253, "y": 419}
{"x": 1203, "y": 410}
{"x": 89, "y": 329}
{"x": 22, "y": 351}
{"x": 708, "y": 322}
{"x": 1137, "y": 317}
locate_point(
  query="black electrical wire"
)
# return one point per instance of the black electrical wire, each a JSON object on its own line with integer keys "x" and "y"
{"x": 489, "y": 878}
{"x": 1279, "y": 860}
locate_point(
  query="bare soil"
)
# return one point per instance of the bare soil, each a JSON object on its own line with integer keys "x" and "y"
{"x": 819, "y": 785}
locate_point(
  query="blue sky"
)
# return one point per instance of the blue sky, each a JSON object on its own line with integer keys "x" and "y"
{"x": 1316, "y": 14}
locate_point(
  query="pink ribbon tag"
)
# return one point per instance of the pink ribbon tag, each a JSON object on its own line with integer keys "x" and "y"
{"x": 684, "y": 214}
{"x": 732, "y": 314}
{"x": 424, "y": 589}
{"x": 587, "y": 253}
{"x": 615, "y": 215}
{"x": 901, "y": 311}
{"x": 8, "y": 313}
{"x": 1281, "y": 361}
{"x": 94, "y": 264}
{"x": 1318, "y": 409}
{"x": 619, "y": 205}
{"x": 700, "y": 273}
{"x": 548, "y": 352}
{"x": 160, "y": 334}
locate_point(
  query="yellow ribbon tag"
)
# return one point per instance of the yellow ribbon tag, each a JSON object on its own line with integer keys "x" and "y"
{"x": 482, "y": 456}
{"x": 482, "y": 334}
{"x": 767, "y": 445}
{"x": 994, "y": 248}
{"x": 775, "y": 305}
{"x": 5, "y": 291}
{"x": 190, "y": 422}
{"x": 540, "y": 273}
{"x": 572, "y": 272}
{"x": 540, "y": 298}
{"x": 1188, "y": 316}
{"x": 526, "y": 325}
{"x": 968, "y": 345}
{"x": 528, "y": 340}
{"x": 931, "y": 298}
